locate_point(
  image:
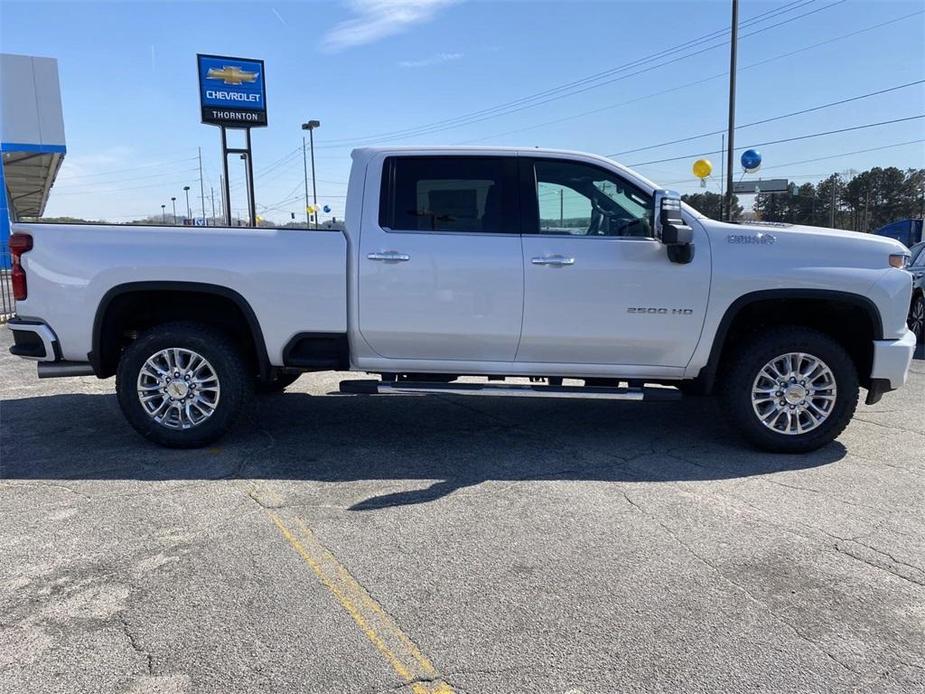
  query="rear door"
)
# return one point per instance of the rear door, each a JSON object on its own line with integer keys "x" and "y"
{"x": 440, "y": 272}
{"x": 599, "y": 289}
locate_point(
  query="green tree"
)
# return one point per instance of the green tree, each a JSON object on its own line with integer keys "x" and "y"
{"x": 711, "y": 204}
{"x": 865, "y": 202}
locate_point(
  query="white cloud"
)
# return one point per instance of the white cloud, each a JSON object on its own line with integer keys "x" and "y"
{"x": 432, "y": 60}
{"x": 376, "y": 19}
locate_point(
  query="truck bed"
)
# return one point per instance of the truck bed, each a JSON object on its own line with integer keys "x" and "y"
{"x": 294, "y": 280}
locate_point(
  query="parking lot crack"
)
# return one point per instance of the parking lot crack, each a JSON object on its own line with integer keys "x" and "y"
{"x": 133, "y": 642}
{"x": 737, "y": 586}
{"x": 912, "y": 574}
{"x": 888, "y": 426}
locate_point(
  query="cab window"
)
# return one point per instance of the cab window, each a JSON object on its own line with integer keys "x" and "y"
{"x": 455, "y": 194}
{"x": 583, "y": 200}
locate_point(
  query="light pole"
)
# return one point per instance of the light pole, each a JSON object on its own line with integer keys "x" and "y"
{"x": 189, "y": 212}
{"x": 305, "y": 173}
{"x": 164, "y": 212}
{"x": 310, "y": 127}
{"x": 173, "y": 201}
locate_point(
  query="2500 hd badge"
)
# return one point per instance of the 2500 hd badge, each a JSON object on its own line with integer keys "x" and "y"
{"x": 662, "y": 311}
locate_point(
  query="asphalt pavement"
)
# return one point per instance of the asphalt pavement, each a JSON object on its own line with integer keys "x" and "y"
{"x": 441, "y": 544}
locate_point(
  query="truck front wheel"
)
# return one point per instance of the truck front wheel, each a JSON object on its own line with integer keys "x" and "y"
{"x": 182, "y": 385}
{"x": 791, "y": 389}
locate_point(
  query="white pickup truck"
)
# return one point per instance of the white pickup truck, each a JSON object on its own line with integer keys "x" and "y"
{"x": 498, "y": 263}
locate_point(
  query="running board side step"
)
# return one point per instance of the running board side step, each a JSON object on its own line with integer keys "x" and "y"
{"x": 373, "y": 387}
{"x": 63, "y": 369}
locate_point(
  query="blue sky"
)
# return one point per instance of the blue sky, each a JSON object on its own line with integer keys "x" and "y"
{"x": 369, "y": 68}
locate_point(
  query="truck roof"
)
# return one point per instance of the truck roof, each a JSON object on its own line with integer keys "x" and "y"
{"x": 364, "y": 154}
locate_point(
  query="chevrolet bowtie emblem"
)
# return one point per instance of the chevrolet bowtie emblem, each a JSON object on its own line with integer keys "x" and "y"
{"x": 230, "y": 74}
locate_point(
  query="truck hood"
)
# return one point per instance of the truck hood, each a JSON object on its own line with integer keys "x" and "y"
{"x": 819, "y": 245}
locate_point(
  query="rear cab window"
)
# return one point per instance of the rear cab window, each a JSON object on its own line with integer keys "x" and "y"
{"x": 463, "y": 194}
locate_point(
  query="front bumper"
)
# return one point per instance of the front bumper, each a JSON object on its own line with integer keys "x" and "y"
{"x": 891, "y": 365}
{"x": 33, "y": 339}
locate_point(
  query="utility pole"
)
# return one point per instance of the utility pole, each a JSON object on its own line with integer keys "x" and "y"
{"x": 305, "y": 172}
{"x": 212, "y": 194}
{"x": 173, "y": 201}
{"x": 733, "y": 46}
{"x": 561, "y": 208}
{"x": 221, "y": 190}
{"x": 832, "y": 211}
{"x": 202, "y": 192}
{"x": 722, "y": 174}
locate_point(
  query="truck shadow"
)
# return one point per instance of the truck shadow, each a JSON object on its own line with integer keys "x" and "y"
{"x": 459, "y": 442}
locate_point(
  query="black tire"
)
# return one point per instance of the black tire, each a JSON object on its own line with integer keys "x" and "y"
{"x": 916, "y": 320}
{"x": 278, "y": 384}
{"x": 225, "y": 359}
{"x": 752, "y": 356}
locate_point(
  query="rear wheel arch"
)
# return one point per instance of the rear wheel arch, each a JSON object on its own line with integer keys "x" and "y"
{"x": 209, "y": 304}
{"x": 814, "y": 308}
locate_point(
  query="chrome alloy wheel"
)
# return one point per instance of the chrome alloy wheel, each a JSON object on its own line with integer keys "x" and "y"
{"x": 794, "y": 393}
{"x": 178, "y": 388}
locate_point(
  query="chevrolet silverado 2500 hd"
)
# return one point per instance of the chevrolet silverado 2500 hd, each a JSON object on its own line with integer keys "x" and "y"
{"x": 468, "y": 261}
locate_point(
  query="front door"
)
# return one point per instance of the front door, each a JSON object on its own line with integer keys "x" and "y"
{"x": 598, "y": 288}
{"x": 441, "y": 274}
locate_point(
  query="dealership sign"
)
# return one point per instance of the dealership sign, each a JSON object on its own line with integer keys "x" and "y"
{"x": 769, "y": 185}
{"x": 232, "y": 91}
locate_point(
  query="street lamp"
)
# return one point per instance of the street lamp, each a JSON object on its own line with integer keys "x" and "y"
{"x": 310, "y": 127}
{"x": 164, "y": 213}
{"x": 189, "y": 212}
{"x": 173, "y": 201}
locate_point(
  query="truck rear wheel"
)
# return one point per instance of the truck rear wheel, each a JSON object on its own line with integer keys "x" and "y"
{"x": 791, "y": 390}
{"x": 182, "y": 385}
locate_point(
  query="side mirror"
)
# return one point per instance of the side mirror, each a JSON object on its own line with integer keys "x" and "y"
{"x": 670, "y": 228}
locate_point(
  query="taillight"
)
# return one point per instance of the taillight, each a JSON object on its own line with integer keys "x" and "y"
{"x": 19, "y": 244}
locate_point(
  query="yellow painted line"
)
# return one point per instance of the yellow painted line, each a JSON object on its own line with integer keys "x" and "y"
{"x": 406, "y": 659}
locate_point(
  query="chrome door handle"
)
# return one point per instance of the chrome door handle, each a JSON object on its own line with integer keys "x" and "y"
{"x": 555, "y": 260}
{"x": 394, "y": 256}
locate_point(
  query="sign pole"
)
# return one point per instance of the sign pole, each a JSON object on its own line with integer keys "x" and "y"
{"x": 232, "y": 94}
{"x": 225, "y": 185}
{"x": 250, "y": 178}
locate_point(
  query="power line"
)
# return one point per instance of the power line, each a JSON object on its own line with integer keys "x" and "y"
{"x": 91, "y": 185}
{"x": 845, "y": 154}
{"x": 815, "y": 159}
{"x": 163, "y": 186}
{"x": 694, "y": 83}
{"x": 786, "y": 139}
{"x": 131, "y": 168}
{"x": 472, "y": 121}
{"x": 773, "y": 118}
{"x": 569, "y": 88}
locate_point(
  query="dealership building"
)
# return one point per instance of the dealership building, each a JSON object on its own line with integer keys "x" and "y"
{"x": 31, "y": 137}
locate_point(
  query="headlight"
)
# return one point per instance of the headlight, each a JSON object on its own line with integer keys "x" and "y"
{"x": 900, "y": 260}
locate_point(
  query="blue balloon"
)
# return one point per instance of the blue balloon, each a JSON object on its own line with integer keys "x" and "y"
{"x": 327, "y": 209}
{"x": 751, "y": 160}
